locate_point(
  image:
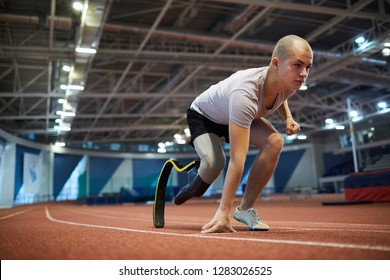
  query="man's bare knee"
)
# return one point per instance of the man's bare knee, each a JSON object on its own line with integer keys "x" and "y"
{"x": 275, "y": 141}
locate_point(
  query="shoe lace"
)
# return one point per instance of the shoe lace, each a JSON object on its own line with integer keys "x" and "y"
{"x": 254, "y": 216}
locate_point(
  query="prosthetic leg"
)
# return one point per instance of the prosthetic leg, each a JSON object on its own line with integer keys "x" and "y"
{"x": 196, "y": 187}
{"x": 159, "y": 198}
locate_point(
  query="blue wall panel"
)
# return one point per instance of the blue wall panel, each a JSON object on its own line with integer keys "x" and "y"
{"x": 101, "y": 170}
{"x": 288, "y": 161}
{"x": 63, "y": 168}
{"x": 146, "y": 172}
{"x": 337, "y": 164}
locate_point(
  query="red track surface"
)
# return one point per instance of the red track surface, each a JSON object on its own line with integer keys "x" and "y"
{"x": 300, "y": 229}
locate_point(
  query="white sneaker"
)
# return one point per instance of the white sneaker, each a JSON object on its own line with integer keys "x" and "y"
{"x": 250, "y": 218}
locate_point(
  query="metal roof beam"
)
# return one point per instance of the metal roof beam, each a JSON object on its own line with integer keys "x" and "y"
{"x": 315, "y": 9}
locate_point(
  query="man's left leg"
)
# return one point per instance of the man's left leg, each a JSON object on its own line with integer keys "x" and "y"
{"x": 270, "y": 144}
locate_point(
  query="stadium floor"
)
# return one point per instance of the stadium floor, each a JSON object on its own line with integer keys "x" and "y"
{"x": 300, "y": 229}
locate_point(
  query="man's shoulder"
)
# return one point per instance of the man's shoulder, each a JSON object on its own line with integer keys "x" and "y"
{"x": 248, "y": 71}
{"x": 248, "y": 79}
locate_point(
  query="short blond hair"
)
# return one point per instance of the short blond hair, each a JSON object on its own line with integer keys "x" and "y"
{"x": 284, "y": 45}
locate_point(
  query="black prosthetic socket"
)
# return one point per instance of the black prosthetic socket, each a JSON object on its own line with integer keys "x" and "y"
{"x": 197, "y": 187}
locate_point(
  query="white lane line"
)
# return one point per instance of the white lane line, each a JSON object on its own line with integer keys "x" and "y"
{"x": 218, "y": 237}
{"x": 14, "y": 214}
{"x": 298, "y": 228}
{"x": 335, "y": 224}
{"x": 273, "y": 221}
{"x": 330, "y": 229}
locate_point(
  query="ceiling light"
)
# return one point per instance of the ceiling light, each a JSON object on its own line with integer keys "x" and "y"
{"x": 329, "y": 121}
{"x": 161, "y": 150}
{"x": 60, "y": 144}
{"x": 75, "y": 87}
{"x": 71, "y": 87}
{"x": 291, "y": 137}
{"x": 386, "y": 52}
{"x": 302, "y": 137}
{"x": 62, "y": 128}
{"x": 65, "y": 114}
{"x": 66, "y": 68}
{"x": 68, "y": 114}
{"x": 340, "y": 127}
{"x": 382, "y": 105}
{"x": 360, "y": 40}
{"x": 61, "y": 100}
{"x": 86, "y": 50}
{"x": 78, "y": 6}
{"x": 58, "y": 121}
{"x": 387, "y": 44}
{"x": 303, "y": 87}
{"x": 353, "y": 114}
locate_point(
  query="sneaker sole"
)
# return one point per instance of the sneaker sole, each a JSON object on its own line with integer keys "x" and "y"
{"x": 251, "y": 228}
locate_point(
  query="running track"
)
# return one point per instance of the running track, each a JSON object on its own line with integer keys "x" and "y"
{"x": 300, "y": 230}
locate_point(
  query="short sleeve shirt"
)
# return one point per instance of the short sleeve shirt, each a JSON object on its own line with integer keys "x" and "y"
{"x": 238, "y": 98}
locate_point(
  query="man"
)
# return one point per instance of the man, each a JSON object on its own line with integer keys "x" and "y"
{"x": 235, "y": 108}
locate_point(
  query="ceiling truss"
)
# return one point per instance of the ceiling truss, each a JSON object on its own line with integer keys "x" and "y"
{"x": 154, "y": 57}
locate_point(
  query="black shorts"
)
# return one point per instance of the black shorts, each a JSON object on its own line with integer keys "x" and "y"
{"x": 199, "y": 125}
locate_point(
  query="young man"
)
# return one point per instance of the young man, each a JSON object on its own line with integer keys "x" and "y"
{"x": 235, "y": 108}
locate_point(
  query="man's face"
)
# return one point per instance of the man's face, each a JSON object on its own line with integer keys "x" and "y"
{"x": 295, "y": 68}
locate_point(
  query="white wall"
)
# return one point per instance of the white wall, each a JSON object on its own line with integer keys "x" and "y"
{"x": 7, "y": 175}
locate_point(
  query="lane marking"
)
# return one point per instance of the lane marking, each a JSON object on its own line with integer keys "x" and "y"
{"x": 327, "y": 223}
{"x": 273, "y": 221}
{"x": 269, "y": 223}
{"x": 291, "y": 242}
{"x": 15, "y": 214}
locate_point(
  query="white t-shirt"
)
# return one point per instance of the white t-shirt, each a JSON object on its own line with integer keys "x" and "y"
{"x": 238, "y": 98}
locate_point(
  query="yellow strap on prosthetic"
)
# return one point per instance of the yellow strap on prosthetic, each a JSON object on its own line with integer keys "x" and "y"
{"x": 179, "y": 167}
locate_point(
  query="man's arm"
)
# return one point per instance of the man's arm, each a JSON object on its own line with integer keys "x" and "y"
{"x": 292, "y": 127}
{"x": 239, "y": 145}
{"x": 284, "y": 111}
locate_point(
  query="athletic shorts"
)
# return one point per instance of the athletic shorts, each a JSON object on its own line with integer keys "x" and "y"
{"x": 199, "y": 125}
